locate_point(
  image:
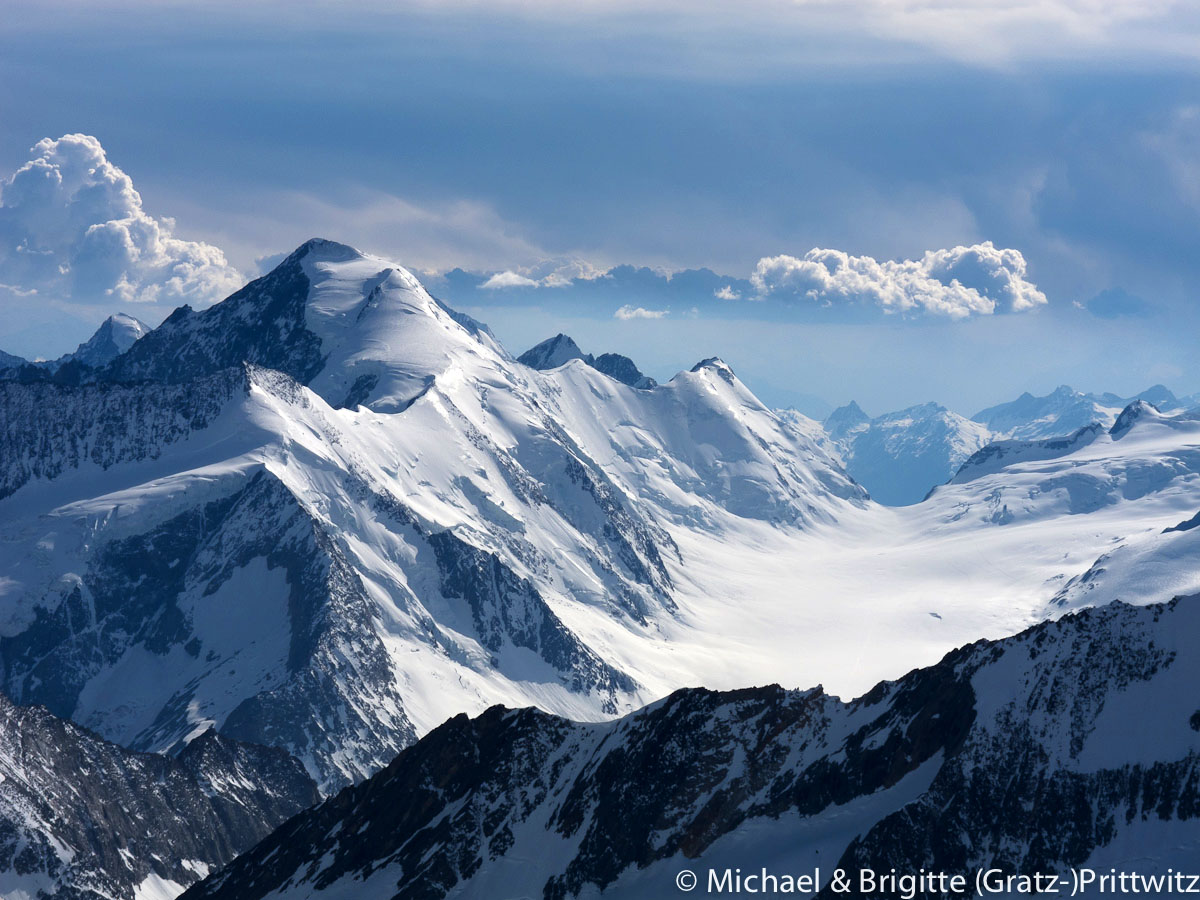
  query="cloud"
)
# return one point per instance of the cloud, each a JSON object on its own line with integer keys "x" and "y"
{"x": 727, "y": 293}
{"x": 266, "y": 263}
{"x": 719, "y": 35}
{"x": 997, "y": 31}
{"x": 72, "y": 228}
{"x": 627, "y": 312}
{"x": 551, "y": 273}
{"x": 959, "y": 282}
{"x": 507, "y": 279}
{"x": 1176, "y": 148}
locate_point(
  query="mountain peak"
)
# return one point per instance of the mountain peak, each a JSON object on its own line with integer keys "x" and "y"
{"x": 1159, "y": 396}
{"x": 9, "y": 361}
{"x": 929, "y": 408}
{"x": 1137, "y": 411}
{"x": 623, "y": 369}
{"x": 845, "y": 419}
{"x": 553, "y": 352}
{"x": 1060, "y": 413}
{"x": 115, "y": 335}
{"x": 355, "y": 328}
{"x": 717, "y": 366}
{"x": 325, "y": 250}
{"x": 561, "y": 349}
{"x": 713, "y": 362}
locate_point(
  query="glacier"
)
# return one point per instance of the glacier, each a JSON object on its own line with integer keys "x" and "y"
{"x": 330, "y": 512}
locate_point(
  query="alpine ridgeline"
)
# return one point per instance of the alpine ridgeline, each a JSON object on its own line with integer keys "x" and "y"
{"x": 1020, "y": 756}
{"x": 84, "y": 819}
{"x": 899, "y": 457}
{"x": 329, "y": 511}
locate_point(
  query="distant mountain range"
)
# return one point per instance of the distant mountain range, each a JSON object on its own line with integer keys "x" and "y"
{"x": 115, "y": 335}
{"x": 900, "y": 456}
{"x": 310, "y": 524}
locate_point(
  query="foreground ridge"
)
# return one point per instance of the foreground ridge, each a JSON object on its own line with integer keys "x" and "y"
{"x": 84, "y": 819}
{"x": 1019, "y": 754}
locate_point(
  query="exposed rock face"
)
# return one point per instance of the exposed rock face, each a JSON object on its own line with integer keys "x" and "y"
{"x": 51, "y": 429}
{"x": 552, "y": 353}
{"x": 192, "y": 344}
{"x": 1020, "y": 754}
{"x": 84, "y": 819}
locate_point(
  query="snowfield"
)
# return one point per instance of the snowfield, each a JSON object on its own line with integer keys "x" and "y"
{"x": 425, "y": 526}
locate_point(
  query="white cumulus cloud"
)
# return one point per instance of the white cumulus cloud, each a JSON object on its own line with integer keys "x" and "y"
{"x": 72, "y": 228}
{"x": 958, "y": 282}
{"x": 508, "y": 279}
{"x": 627, "y": 312}
{"x": 553, "y": 273}
{"x": 727, "y": 293}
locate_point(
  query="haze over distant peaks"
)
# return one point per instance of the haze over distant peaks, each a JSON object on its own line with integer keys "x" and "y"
{"x": 899, "y": 456}
{"x": 115, "y": 335}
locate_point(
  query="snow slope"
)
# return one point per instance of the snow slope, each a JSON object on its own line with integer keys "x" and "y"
{"x": 453, "y": 531}
{"x": 329, "y": 513}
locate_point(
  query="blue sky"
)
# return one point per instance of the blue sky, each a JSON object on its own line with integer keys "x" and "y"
{"x": 524, "y": 138}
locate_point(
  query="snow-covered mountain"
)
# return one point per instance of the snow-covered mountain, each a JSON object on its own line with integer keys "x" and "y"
{"x": 115, "y": 335}
{"x": 425, "y": 525}
{"x": 84, "y": 819}
{"x": 898, "y": 457}
{"x": 1072, "y": 744}
{"x": 1159, "y": 396}
{"x": 428, "y": 526}
{"x": 330, "y": 512}
{"x": 1061, "y": 412}
{"x": 845, "y": 422}
{"x": 1144, "y": 454}
{"x": 560, "y": 349}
